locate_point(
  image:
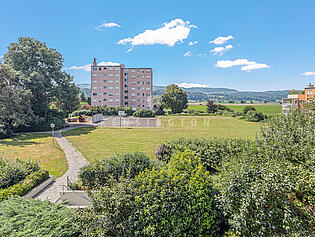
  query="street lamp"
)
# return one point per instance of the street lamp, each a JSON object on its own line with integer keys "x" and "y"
{"x": 52, "y": 132}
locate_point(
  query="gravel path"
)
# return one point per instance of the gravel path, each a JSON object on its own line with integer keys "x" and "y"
{"x": 75, "y": 162}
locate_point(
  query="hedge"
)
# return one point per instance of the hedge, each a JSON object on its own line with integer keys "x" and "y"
{"x": 25, "y": 185}
{"x": 126, "y": 165}
{"x": 12, "y": 172}
{"x": 144, "y": 113}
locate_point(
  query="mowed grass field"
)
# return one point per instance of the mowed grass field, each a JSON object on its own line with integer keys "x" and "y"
{"x": 101, "y": 142}
{"x": 265, "y": 108}
{"x": 35, "y": 147}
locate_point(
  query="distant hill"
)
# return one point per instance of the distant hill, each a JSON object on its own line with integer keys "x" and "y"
{"x": 216, "y": 94}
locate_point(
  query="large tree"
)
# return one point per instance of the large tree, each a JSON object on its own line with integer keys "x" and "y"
{"x": 44, "y": 77}
{"x": 15, "y": 107}
{"x": 175, "y": 98}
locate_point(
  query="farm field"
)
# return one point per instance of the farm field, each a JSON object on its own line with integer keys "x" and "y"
{"x": 35, "y": 147}
{"x": 101, "y": 142}
{"x": 266, "y": 109}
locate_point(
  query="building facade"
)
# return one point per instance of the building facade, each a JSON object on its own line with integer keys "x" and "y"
{"x": 119, "y": 86}
{"x": 296, "y": 101}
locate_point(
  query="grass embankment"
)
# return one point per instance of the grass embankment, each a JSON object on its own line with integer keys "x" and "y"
{"x": 101, "y": 142}
{"x": 36, "y": 147}
{"x": 264, "y": 108}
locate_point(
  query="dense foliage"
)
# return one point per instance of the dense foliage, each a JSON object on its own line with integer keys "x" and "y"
{"x": 12, "y": 172}
{"x": 126, "y": 165}
{"x": 24, "y": 186}
{"x": 177, "y": 199}
{"x": 248, "y": 108}
{"x": 144, "y": 113}
{"x": 32, "y": 84}
{"x": 28, "y": 217}
{"x": 175, "y": 99}
{"x": 211, "y": 151}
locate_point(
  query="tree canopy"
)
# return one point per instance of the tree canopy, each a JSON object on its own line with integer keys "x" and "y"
{"x": 175, "y": 98}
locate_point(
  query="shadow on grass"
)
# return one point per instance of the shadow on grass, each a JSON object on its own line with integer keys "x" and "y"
{"x": 23, "y": 140}
{"x": 78, "y": 131}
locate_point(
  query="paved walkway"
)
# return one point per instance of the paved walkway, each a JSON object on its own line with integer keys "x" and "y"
{"x": 75, "y": 162}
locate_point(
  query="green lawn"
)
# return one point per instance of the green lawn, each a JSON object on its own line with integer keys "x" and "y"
{"x": 102, "y": 142}
{"x": 266, "y": 109}
{"x": 36, "y": 147}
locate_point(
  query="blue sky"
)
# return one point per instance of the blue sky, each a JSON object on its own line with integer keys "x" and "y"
{"x": 265, "y": 45}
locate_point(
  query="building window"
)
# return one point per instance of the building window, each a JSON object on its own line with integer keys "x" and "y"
{"x": 94, "y": 93}
{"x": 99, "y": 68}
{"x": 111, "y": 68}
{"x": 94, "y": 81}
{"x": 104, "y": 74}
{"x": 104, "y": 93}
{"x": 110, "y": 81}
{"x": 117, "y": 88}
{"x": 138, "y": 82}
{"x": 116, "y": 94}
{"x": 148, "y": 89}
{"x": 125, "y": 79}
{"x": 126, "y": 103}
{"x": 117, "y": 68}
{"x": 148, "y": 71}
{"x": 104, "y": 99}
{"x": 133, "y": 94}
{"x": 110, "y": 75}
{"x": 110, "y": 87}
{"x": 94, "y": 87}
{"x": 126, "y": 74}
{"x": 117, "y": 75}
{"x": 117, "y": 100}
{"x": 117, "y": 82}
{"x": 94, "y": 68}
{"x": 133, "y": 83}
{"x": 133, "y": 70}
{"x": 126, "y": 91}
{"x": 104, "y": 81}
{"x": 133, "y": 100}
{"x": 138, "y": 88}
{"x": 125, "y": 85}
{"x": 94, "y": 100}
{"x": 110, "y": 100}
{"x": 110, "y": 94}
{"x": 126, "y": 97}
{"x": 133, "y": 88}
{"x": 133, "y": 76}
{"x": 148, "y": 83}
{"x": 94, "y": 75}
{"x": 147, "y": 94}
{"x": 138, "y": 77}
{"x": 104, "y": 87}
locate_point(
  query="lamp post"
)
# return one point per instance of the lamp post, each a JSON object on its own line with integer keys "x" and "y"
{"x": 52, "y": 132}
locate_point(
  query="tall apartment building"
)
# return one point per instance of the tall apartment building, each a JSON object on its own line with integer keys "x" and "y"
{"x": 119, "y": 86}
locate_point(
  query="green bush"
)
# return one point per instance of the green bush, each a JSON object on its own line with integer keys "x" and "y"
{"x": 210, "y": 151}
{"x": 25, "y": 185}
{"x": 177, "y": 200}
{"x": 248, "y": 108}
{"x": 254, "y": 116}
{"x": 29, "y": 217}
{"x": 12, "y": 172}
{"x": 126, "y": 165}
{"x": 82, "y": 112}
{"x": 144, "y": 113}
{"x": 43, "y": 126}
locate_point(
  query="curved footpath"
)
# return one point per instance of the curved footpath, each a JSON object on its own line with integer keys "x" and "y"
{"x": 75, "y": 161}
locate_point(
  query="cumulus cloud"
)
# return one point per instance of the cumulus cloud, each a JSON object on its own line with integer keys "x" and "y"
{"x": 86, "y": 67}
{"x": 106, "y": 25}
{"x": 221, "y": 40}
{"x": 191, "y": 85}
{"x": 129, "y": 50}
{"x": 308, "y": 74}
{"x": 221, "y": 50}
{"x": 246, "y": 65}
{"x": 191, "y": 43}
{"x": 188, "y": 54}
{"x": 169, "y": 34}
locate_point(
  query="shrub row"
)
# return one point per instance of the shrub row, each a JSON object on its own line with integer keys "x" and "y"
{"x": 126, "y": 165}
{"x": 211, "y": 151}
{"x": 12, "y": 172}
{"x": 25, "y": 185}
{"x": 108, "y": 111}
{"x": 144, "y": 113}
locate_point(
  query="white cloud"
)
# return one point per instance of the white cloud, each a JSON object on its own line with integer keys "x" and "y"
{"x": 169, "y": 34}
{"x": 108, "y": 64}
{"x": 86, "y": 67}
{"x": 188, "y": 54}
{"x": 191, "y": 43}
{"x": 308, "y": 74}
{"x": 191, "y": 85}
{"x": 221, "y": 40}
{"x": 129, "y": 50}
{"x": 107, "y": 25}
{"x": 246, "y": 65}
{"x": 221, "y": 50}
